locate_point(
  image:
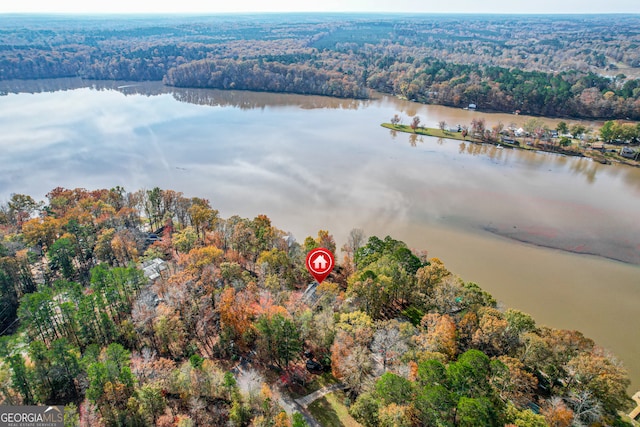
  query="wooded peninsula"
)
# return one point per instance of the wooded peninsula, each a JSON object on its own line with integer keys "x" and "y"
{"x": 577, "y": 66}
{"x": 147, "y": 308}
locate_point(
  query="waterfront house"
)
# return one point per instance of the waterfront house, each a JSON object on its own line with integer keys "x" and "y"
{"x": 628, "y": 153}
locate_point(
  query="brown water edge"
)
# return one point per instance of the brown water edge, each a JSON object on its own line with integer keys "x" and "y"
{"x": 555, "y": 239}
{"x": 558, "y": 288}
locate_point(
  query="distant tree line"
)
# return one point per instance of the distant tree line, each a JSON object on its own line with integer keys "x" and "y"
{"x": 510, "y": 90}
{"x": 440, "y": 61}
{"x": 265, "y": 76}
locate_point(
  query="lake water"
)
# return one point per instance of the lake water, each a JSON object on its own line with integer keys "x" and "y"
{"x": 313, "y": 163}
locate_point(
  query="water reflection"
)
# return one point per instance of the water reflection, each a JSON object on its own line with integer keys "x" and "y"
{"x": 413, "y": 139}
{"x": 430, "y": 114}
{"x": 212, "y": 97}
{"x": 585, "y": 167}
{"x": 239, "y": 99}
{"x": 550, "y": 161}
{"x": 259, "y": 100}
{"x": 319, "y": 163}
{"x": 479, "y": 149}
{"x": 39, "y": 86}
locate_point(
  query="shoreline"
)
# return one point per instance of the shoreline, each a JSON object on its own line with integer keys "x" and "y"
{"x": 594, "y": 155}
{"x": 372, "y": 95}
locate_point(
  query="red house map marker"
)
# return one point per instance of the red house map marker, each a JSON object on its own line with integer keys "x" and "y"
{"x": 320, "y": 262}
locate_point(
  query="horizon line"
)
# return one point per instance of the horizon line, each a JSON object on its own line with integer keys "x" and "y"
{"x": 396, "y": 13}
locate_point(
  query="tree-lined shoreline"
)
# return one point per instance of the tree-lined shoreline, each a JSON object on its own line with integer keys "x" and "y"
{"x": 603, "y": 146}
{"x": 128, "y": 326}
{"x": 486, "y": 61}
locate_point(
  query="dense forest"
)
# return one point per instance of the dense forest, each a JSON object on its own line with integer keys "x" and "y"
{"x": 566, "y": 66}
{"x": 264, "y": 76}
{"x": 148, "y": 308}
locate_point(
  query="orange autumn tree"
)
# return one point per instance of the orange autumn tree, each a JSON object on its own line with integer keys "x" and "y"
{"x": 439, "y": 335}
{"x": 556, "y": 413}
{"x": 237, "y": 312}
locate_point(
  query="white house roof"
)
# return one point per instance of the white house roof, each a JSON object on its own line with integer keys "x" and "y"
{"x": 152, "y": 268}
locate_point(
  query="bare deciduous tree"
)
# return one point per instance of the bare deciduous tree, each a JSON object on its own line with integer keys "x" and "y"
{"x": 388, "y": 342}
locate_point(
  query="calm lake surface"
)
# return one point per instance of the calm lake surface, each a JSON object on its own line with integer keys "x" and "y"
{"x": 313, "y": 163}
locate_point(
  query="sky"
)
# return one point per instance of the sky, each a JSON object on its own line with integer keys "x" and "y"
{"x": 244, "y": 6}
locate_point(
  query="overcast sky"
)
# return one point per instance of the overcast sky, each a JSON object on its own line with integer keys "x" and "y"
{"x": 227, "y": 6}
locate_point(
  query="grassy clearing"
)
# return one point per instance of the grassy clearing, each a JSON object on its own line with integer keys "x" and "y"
{"x": 437, "y": 133}
{"x": 331, "y": 412}
{"x": 319, "y": 381}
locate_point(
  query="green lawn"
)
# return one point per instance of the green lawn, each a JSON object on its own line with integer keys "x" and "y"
{"x": 437, "y": 133}
{"x": 331, "y": 412}
{"x": 319, "y": 381}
